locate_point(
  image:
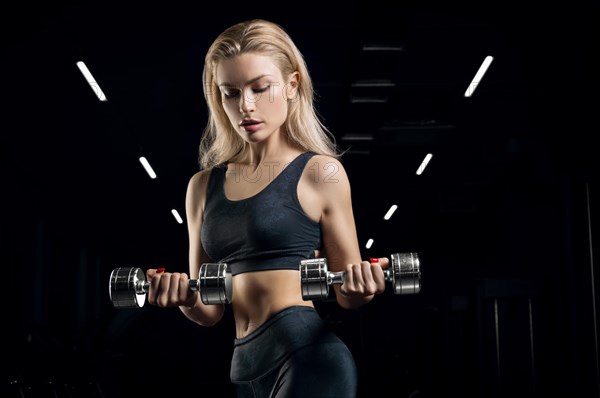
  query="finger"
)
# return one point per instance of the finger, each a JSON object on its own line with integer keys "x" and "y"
{"x": 348, "y": 281}
{"x": 150, "y": 273}
{"x": 153, "y": 289}
{"x": 378, "y": 278}
{"x": 384, "y": 262}
{"x": 163, "y": 290}
{"x": 173, "y": 294}
{"x": 370, "y": 287}
{"x": 359, "y": 281}
{"x": 183, "y": 288}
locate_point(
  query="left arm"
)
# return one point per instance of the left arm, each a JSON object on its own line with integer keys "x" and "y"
{"x": 340, "y": 242}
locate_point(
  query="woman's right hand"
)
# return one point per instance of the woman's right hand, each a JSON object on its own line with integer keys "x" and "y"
{"x": 169, "y": 289}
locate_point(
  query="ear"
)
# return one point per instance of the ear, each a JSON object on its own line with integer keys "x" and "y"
{"x": 291, "y": 88}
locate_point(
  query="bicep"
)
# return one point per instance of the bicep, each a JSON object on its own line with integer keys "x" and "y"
{"x": 338, "y": 225}
{"x": 194, "y": 203}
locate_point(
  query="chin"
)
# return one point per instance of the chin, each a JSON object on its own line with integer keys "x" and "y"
{"x": 258, "y": 136}
{"x": 254, "y": 138}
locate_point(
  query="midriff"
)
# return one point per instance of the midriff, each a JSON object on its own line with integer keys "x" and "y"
{"x": 259, "y": 295}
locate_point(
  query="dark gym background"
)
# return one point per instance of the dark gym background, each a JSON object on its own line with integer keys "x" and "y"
{"x": 503, "y": 216}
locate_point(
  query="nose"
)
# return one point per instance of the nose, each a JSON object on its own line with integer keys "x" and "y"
{"x": 248, "y": 101}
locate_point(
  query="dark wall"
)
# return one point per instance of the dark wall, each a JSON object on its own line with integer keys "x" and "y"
{"x": 503, "y": 219}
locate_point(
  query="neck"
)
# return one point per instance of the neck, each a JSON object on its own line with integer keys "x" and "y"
{"x": 272, "y": 150}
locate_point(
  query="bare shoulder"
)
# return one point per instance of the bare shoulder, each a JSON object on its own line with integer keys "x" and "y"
{"x": 196, "y": 189}
{"x": 199, "y": 181}
{"x": 327, "y": 178}
{"x": 327, "y": 173}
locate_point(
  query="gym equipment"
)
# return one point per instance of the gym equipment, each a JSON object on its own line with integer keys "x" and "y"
{"x": 128, "y": 285}
{"x": 404, "y": 273}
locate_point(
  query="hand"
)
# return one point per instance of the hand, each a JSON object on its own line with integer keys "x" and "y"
{"x": 366, "y": 278}
{"x": 169, "y": 289}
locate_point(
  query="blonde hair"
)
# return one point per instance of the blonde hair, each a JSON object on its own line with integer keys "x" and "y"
{"x": 220, "y": 142}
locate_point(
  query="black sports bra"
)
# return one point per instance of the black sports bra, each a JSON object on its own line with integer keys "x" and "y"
{"x": 269, "y": 230}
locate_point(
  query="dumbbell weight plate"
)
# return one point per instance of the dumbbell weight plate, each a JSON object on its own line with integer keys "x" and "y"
{"x": 216, "y": 285}
{"x": 126, "y": 287}
{"x": 313, "y": 275}
{"x": 406, "y": 271}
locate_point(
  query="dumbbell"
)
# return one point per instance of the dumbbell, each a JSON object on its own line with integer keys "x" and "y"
{"x": 128, "y": 285}
{"x": 404, "y": 273}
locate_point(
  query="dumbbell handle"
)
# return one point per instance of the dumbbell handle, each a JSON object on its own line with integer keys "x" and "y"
{"x": 340, "y": 277}
{"x": 143, "y": 287}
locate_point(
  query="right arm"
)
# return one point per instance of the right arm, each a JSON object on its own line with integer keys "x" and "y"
{"x": 172, "y": 289}
{"x": 203, "y": 314}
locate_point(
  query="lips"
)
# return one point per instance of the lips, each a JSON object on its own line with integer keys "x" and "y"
{"x": 249, "y": 122}
{"x": 253, "y": 127}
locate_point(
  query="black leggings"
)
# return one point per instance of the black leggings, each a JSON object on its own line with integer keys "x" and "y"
{"x": 291, "y": 355}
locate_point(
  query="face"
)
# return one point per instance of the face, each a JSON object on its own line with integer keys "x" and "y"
{"x": 254, "y": 95}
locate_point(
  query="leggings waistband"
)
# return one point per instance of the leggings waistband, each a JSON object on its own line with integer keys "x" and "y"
{"x": 274, "y": 318}
{"x": 275, "y": 340}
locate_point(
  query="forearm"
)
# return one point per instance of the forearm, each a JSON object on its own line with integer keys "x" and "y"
{"x": 203, "y": 314}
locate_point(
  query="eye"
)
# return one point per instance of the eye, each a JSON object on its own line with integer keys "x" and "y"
{"x": 261, "y": 89}
{"x": 230, "y": 93}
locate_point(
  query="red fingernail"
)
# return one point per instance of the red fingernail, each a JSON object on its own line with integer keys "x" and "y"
{"x": 374, "y": 260}
{"x": 159, "y": 270}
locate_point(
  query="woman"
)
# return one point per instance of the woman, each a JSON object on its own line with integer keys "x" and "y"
{"x": 271, "y": 192}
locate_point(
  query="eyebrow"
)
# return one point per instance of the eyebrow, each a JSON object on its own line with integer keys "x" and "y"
{"x": 248, "y": 82}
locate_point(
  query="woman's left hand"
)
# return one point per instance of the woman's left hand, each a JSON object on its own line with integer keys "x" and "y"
{"x": 365, "y": 279}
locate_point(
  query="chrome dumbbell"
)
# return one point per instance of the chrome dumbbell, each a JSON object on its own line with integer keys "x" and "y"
{"x": 404, "y": 272}
{"x": 128, "y": 285}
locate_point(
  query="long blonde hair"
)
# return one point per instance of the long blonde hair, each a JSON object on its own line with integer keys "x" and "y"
{"x": 220, "y": 142}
